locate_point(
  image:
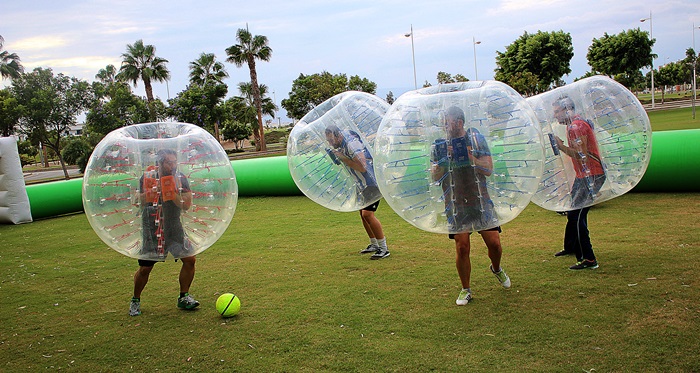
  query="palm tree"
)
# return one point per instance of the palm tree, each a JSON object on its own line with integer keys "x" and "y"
{"x": 10, "y": 67}
{"x": 267, "y": 106}
{"x": 141, "y": 63}
{"x": 249, "y": 49}
{"x": 206, "y": 69}
{"x": 107, "y": 75}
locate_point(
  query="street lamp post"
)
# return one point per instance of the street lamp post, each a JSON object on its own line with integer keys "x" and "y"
{"x": 651, "y": 36}
{"x": 413, "y": 53}
{"x": 474, "y": 42}
{"x": 695, "y": 61}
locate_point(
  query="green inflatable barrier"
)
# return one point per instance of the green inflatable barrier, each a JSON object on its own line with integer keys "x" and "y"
{"x": 55, "y": 198}
{"x": 264, "y": 177}
{"x": 255, "y": 177}
{"x": 674, "y": 165}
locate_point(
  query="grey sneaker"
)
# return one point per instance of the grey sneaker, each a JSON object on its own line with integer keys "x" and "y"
{"x": 187, "y": 302}
{"x": 370, "y": 249}
{"x": 135, "y": 307}
{"x": 465, "y": 296}
{"x": 380, "y": 254}
{"x": 502, "y": 277}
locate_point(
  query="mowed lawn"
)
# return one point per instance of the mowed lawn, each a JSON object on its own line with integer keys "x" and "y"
{"x": 311, "y": 302}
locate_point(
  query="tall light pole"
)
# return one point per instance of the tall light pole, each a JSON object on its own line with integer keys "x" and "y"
{"x": 695, "y": 61}
{"x": 474, "y": 42}
{"x": 413, "y": 53}
{"x": 651, "y": 36}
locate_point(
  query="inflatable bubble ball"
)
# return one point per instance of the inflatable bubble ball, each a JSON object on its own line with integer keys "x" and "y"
{"x": 158, "y": 189}
{"x": 598, "y": 143}
{"x": 459, "y": 157}
{"x": 330, "y": 151}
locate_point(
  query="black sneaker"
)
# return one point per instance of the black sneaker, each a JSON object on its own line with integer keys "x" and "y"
{"x": 380, "y": 254}
{"x": 563, "y": 253}
{"x": 585, "y": 264}
{"x": 187, "y": 302}
{"x": 370, "y": 249}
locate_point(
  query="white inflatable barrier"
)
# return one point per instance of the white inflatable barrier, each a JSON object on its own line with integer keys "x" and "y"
{"x": 14, "y": 203}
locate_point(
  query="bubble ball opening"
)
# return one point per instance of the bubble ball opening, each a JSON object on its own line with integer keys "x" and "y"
{"x": 319, "y": 165}
{"x": 434, "y": 178}
{"x": 622, "y": 134}
{"x": 157, "y": 189}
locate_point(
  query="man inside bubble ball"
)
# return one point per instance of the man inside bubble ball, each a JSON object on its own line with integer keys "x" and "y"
{"x": 165, "y": 193}
{"x": 461, "y": 164}
{"x": 348, "y": 149}
{"x": 582, "y": 148}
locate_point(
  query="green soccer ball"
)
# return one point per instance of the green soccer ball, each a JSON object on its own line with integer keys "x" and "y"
{"x": 228, "y": 305}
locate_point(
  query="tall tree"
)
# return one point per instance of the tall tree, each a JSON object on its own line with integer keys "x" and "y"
{"x": 140, "y": 62}
{"x": 249, "y": 49}
{"x": 10, "y": 66}
{"x": 207, "y": 69}
{"x": 308, "y": 91}
{"x": 51, "y": 104}
{"x": 10, "y": 112}
{"x": 544, "y": 55}
{"x": 621, "y": 54}
{"x": 445, "y": 78}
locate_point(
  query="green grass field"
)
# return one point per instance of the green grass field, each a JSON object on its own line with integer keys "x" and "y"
{"x": 674, "y": 119}
{"x": 310, "y": 302}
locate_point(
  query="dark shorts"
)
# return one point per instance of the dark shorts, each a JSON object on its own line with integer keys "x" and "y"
{"x": 498, "y": 229}
{"x": 372, "y": 207}
{"x": 148, "y": 263}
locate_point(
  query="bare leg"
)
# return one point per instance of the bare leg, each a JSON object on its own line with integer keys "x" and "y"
{"x": 372, "y": 225}
{"x": 492, "y": 239}
{"x": 187, "y": 273}
{"x": 140, "y": 280}
{"x": 464, "y": 266}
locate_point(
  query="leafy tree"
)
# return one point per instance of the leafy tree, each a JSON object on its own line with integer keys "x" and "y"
{"x": 526, "y": 83}
{"x": 621, "y": 54}
{"x": 10, "y": 66}
{"x": 309, "y": 91}
{"x": 140, "y": 62}
{"x": 118, "y": 108}
{"x": 10, "y": 112}
{"x": 390, "y": 98}
{"x": 77, "y": 150}
{"x": 545, "y": 56}
{"x": 237, "y": 132}
{"x": 446, "y": 78}
{"x": 207, "y": 69}
{"x": 27, "y": 152}
{"x": 671, "y": 74}
{"x": 250, "y": 49}
{"x": 51, "y": 105}
{"x": 199, "y": 105}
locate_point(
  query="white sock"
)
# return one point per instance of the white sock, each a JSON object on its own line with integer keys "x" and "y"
{"x": 373, "y": 241}
{"x": 382, "y": 243}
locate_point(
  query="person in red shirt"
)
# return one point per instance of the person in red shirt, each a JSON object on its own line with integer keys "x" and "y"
{"x": 583, "y": 150}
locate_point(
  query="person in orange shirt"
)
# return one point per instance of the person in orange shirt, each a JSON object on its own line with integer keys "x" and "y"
{"x": 165, "y": 193}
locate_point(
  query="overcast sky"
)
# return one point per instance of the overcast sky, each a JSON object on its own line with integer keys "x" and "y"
{"x": 354, "y": 37}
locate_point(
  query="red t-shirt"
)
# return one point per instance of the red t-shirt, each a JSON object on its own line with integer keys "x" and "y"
{"x": 579, "y": 128}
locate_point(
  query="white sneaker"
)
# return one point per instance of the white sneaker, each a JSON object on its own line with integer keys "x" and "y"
{"x": 502, "y": 277}
{"x": 465, "y": 296}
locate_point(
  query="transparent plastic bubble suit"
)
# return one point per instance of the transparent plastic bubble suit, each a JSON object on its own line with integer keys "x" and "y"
{"x": 137, "y": 188}
{"x": 322, "y": 176}
{"x": 437, "y": 182}
{"x": 622, "y": 132}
